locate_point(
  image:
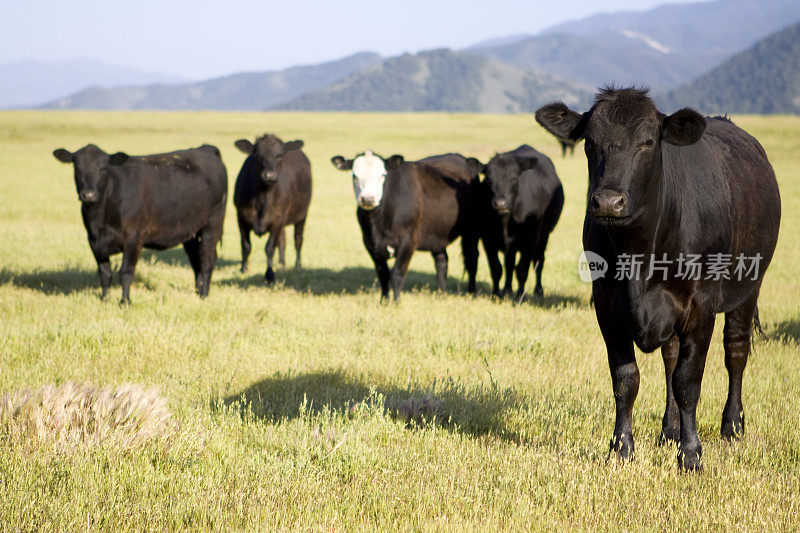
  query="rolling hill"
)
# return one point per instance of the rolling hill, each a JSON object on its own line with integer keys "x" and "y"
{"x": 441, "y": 80}
{"x": 763, "y": 79}
{"x": 663, "y": 47}
{"x": 244, "y": 91}
{"x": 29, "y": 83}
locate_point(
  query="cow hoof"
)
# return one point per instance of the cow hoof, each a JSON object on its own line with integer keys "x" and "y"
{"x": 690, "y": 460}
{"x": 538, "y": 292}
{"x": 732, "y": 429}
{"x": 243, "y": 269}
{"x": 669, "y": 436}
{"x": 269, "y": 276}
{"x": 125, "y": 302}
{"x": 622, "y": 447}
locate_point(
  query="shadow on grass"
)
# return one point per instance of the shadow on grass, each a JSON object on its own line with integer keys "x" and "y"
{"x": 787, "y": 331}
{"x": 65, "y": 281}
{"x": 348, "y": 280}
{"x": 177, "y": 257}
{"x": 553, "y": 301}
{"x": 476, "y": 411}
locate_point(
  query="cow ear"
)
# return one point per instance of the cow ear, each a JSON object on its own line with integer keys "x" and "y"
{"x": 683, "y": 127}
{"x": 561, "y": 121}
{"x": 118, "y": 159}
{"x": 245, "y": 146}
{"x": 527, "y": 163}
{"x": 65, "y": 156}
{"x": 341, "y": 163}
{"x": 292, "y": 145}
{"x": 394, "y": 162}
{"x": 475, "y": 165}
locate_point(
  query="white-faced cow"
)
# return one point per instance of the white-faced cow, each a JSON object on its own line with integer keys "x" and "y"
{"x": 405, "y": 206}
{"x": 152, "y": 201}
{"x": 272, "y": 191}
{"x": 526, "y": 198}
{"x": 686, "y": 210}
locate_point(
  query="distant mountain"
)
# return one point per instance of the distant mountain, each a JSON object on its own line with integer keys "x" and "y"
{"x": 763, "y": 79}
{"x": 441, "y": 80}
{"x": 720, "y": 27}
{"x": 245, "y": 91}
{"x": 663, "y": 47}
{"x": 30, "y": 83}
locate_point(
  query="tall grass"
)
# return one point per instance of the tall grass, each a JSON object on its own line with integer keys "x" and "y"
{"x": 310, "y": 405}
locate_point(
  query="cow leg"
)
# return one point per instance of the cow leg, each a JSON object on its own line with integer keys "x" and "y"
{"x": 382, "y": 270}
{"x": 130, "y": 255}
{"x": 192, "y": 249}
{"x": 523, "y": 268}
{"x": 736, "y": 340}
{"x": 686, "y": 381}
{"x": 510, "y": 260}
{"x": 206, "y": 260}
{"x": 440, "y": 261}
{"x": 624, "y": 378}
{"x": 244, "y": 231}
{"x": 495, "y": 267}
{"x": 538, "y": 256}
{"x": 282, "y": 247}
{"x": 298, "y": 243}
{"x": 269, "y": 249}
{"x": 402, "y": 259}
{"x": 670, "y": 424}
{"x": 104, "y": 273}
{"x": 469, "y": 249}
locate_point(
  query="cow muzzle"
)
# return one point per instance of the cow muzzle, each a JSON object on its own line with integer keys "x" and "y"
{"x": 609, "y": 207}
{"x": 367, "y": 202}
{"x": 501, "y": 206}
{"x": 269, "y": 178}
{"x": 88, "y": 196}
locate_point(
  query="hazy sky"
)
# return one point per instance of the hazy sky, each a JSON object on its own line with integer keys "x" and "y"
{"x": 200, "y": 38}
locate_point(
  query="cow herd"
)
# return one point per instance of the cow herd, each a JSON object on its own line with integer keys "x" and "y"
{"x": 660, "y": 188}
{"x": 163, "y": 200}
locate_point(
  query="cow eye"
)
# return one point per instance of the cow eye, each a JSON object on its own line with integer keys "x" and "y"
{"x": 649, "y": 142}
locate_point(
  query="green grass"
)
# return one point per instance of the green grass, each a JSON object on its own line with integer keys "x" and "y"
{"x": 309, "y": 404}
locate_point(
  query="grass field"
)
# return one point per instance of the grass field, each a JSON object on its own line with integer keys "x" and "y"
{"x": 309, "y": 404}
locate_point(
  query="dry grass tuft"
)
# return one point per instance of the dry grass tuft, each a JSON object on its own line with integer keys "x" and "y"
{"x": 75, "y": 414}
{"x": 422, "y": 410}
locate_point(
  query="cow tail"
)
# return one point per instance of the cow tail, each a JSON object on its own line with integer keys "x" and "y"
{"x": 757, "y": 326}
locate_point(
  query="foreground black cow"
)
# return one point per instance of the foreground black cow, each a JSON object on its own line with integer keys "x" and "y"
{"x": 666, "y": 192}
{"x": 273, "y": 190}
{"x": 152, "y": 201}
{"x": 405, "y": 206}
{"x": 527, "y": 198}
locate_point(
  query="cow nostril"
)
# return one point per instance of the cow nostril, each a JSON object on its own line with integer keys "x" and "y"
{"x": 618, "y": 202}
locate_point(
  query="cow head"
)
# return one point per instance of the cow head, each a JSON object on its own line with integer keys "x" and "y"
{"x": 369, "y": 173}
{"x": 268, "y": 152}
{"x": 502, "y": 174}
{"x": 91, "y": 169}
{"x": 623, "y": 134}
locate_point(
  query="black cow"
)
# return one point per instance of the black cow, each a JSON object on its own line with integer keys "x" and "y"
{"x": 527, "y": 198}
{"x": 567, "y": 145}
{"x": 666, "y": 192}
{"x": 273, "y": 190}
{"x": 405, "y": 206}
{"x": 152, "y": 201}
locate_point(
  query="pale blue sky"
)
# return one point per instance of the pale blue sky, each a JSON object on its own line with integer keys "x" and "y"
{"x": 200, "y": 38}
